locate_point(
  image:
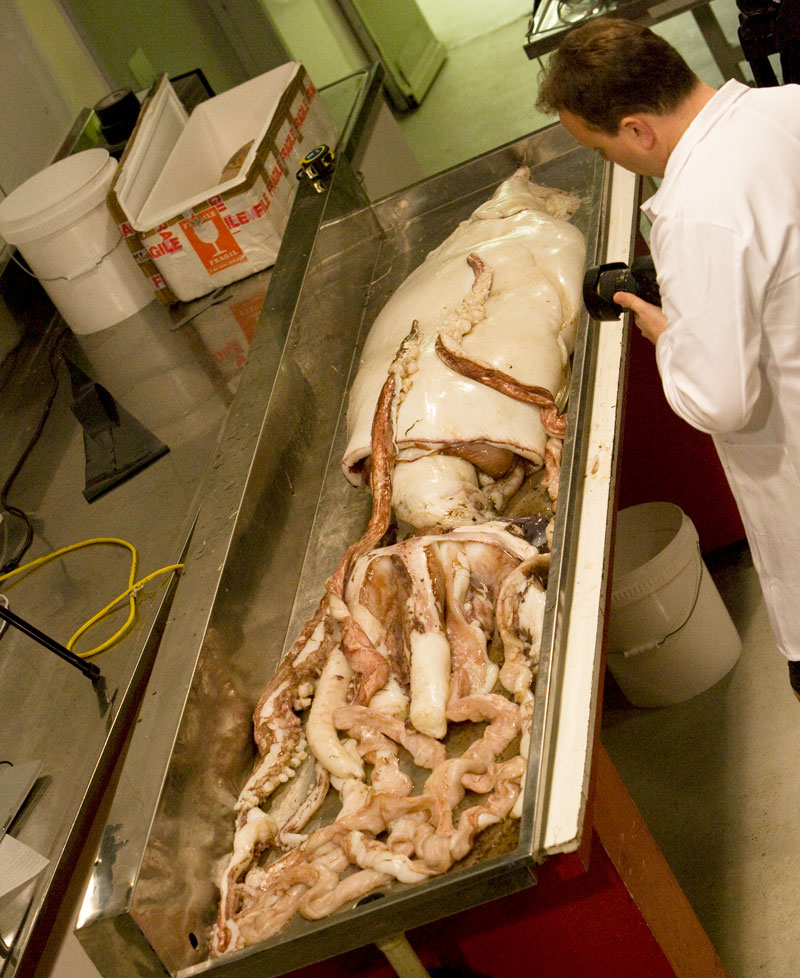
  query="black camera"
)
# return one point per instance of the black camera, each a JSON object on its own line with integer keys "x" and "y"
{"x": 601, "y": 282}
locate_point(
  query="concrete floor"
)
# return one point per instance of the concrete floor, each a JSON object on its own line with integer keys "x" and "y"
{"x": 714, "y": 778}
{"x": 485, "y": 94}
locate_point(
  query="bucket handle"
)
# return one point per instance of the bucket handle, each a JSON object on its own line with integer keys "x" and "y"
{"x": 657, "y": 645}
{"x": 68, "y": 278}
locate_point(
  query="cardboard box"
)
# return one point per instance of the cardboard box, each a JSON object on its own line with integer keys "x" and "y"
{"x": 203, "y": 200}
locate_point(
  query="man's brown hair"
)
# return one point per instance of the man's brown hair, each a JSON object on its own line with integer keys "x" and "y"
{"x": 609, "y": 68}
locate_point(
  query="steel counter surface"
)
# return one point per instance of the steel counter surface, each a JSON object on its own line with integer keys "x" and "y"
{"x": 275, "y": 518}
{"x": 176, "y": 371}
{"x": 177, "y": 381}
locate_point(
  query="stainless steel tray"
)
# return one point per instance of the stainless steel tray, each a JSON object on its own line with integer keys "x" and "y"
{"x": 276, "y": 519}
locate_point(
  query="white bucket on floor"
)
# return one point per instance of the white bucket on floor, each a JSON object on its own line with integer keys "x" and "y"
{"x": 670, "y": 636}
{"x": 60, "y": 222}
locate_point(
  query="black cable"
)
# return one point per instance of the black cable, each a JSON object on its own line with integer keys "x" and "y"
{"x": 9, "y": 362}
{"x": 52, "y": 360}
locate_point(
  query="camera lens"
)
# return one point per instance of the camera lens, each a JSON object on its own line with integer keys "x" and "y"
{"x": 599, "y": 285}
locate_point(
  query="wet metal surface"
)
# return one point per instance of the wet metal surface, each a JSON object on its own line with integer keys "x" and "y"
{"x": 179, "y": 383}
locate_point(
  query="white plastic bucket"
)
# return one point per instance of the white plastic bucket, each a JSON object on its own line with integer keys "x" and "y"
{"x": 60, "y": 222}
{"x": 670, "y": 636}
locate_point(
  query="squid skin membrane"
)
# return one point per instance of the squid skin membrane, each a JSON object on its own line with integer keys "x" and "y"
{"x": 524, "y": 328}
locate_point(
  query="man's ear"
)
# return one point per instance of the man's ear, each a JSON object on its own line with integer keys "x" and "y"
{"x": 640, "y": 128}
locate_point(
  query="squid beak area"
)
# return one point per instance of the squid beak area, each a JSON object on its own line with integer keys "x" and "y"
{"x": 534, "y": 529}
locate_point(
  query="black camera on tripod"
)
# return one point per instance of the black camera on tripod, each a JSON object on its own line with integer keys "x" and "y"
{"x": 769, "y": 27}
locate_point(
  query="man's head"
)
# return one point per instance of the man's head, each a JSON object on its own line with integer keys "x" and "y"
{"x": 613, "y": 84}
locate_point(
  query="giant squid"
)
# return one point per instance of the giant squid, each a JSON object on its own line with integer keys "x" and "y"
{"x": 459, "y": 396}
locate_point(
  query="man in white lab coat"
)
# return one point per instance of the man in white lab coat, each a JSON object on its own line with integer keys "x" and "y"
{"x": 725, "y": 240}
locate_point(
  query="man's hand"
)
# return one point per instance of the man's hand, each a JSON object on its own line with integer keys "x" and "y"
{"x": 649, "y": 319}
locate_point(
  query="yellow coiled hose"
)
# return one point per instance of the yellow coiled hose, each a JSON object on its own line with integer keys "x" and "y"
{"x": 130, "y": 592}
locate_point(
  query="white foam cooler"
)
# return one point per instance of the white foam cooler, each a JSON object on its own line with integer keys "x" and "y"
{"x": 670, "y": 636}
{"x": 203, "y": 199}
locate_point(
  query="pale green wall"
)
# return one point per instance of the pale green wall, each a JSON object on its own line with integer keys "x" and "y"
{"x": 47, "y": 77}
{"x": 79, "y": 78}
{"x": 314, "y": 32}
{"x": 174, "y": 36}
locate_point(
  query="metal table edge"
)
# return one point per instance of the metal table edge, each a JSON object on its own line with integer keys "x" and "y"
{"x": 564, "y": 735}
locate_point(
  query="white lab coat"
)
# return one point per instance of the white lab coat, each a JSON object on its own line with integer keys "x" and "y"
{"x": 726, "y": 243}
